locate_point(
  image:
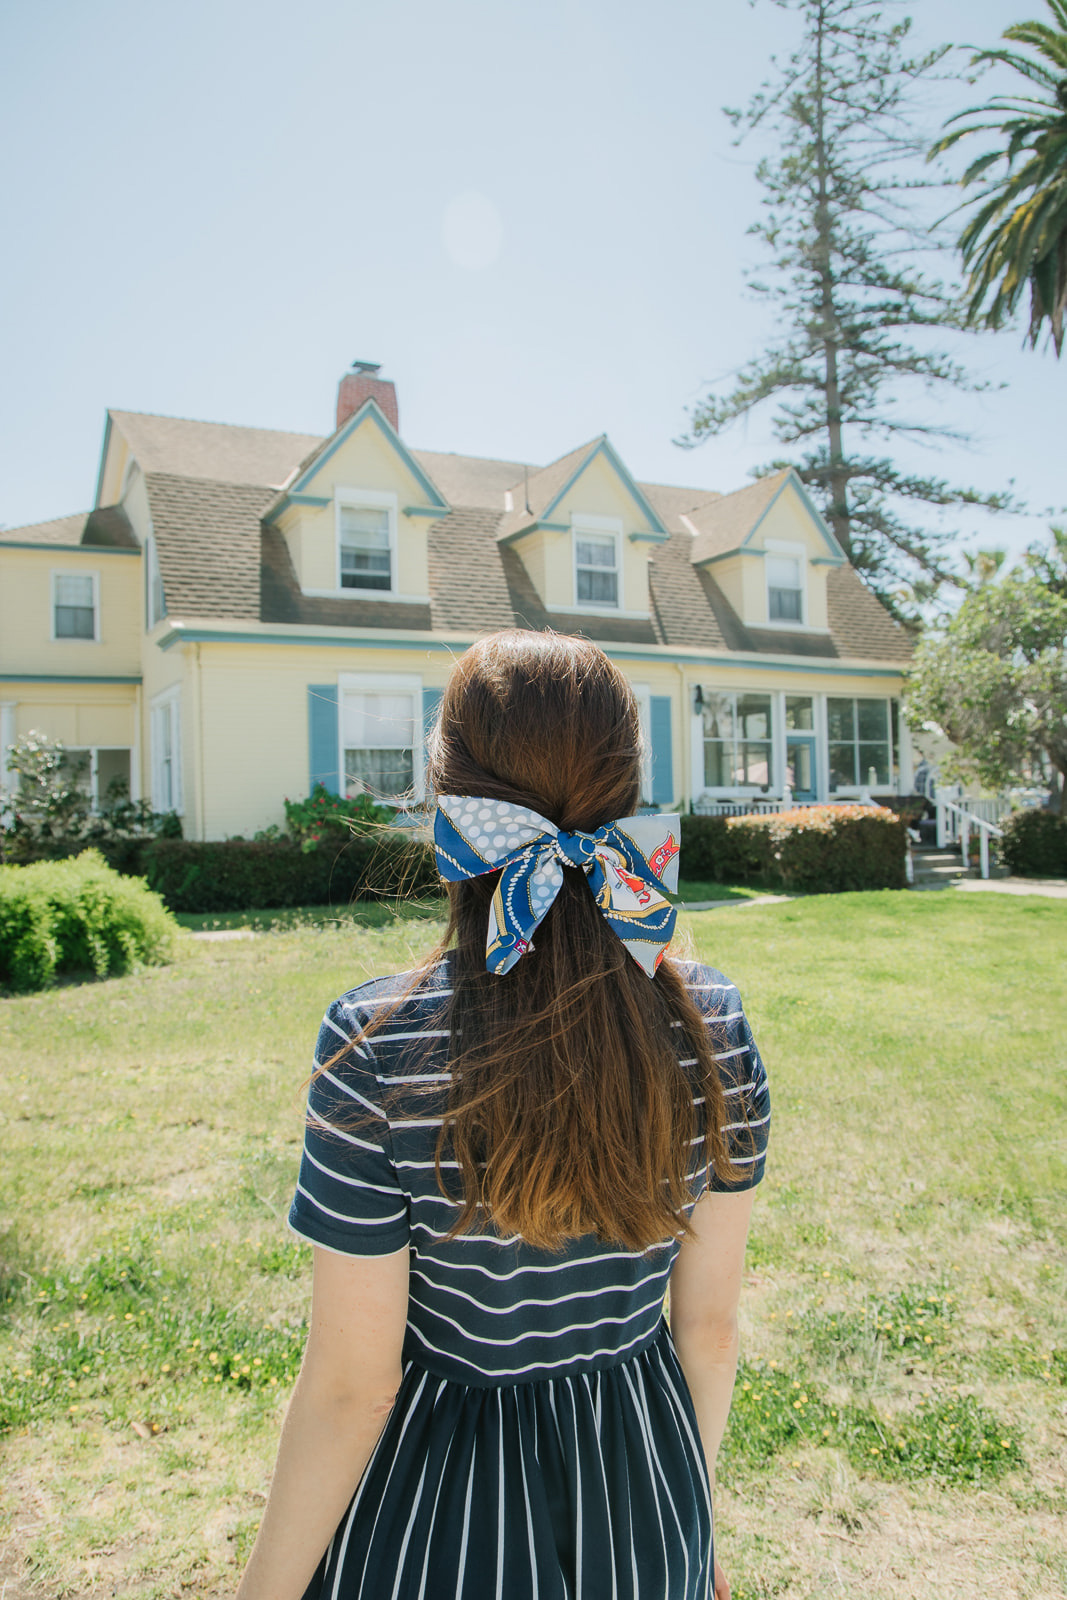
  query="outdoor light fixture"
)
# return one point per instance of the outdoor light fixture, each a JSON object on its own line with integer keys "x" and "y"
{"x": 698, "y": 699}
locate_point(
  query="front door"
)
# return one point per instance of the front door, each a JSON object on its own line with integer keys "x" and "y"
{"x": 800, "y": 765}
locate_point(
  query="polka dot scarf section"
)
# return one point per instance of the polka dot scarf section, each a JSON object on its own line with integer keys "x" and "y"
{"x": 627, "y": 863}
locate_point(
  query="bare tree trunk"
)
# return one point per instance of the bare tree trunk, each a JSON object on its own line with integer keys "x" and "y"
{"x": 840, "y": 520}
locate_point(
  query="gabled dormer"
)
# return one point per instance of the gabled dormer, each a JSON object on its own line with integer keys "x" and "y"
{"x": 584, "y": 531}
{"x": 355, "y": 514}
{"x": 769, "y": 550}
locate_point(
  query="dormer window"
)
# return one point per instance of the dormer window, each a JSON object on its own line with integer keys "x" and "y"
{"x": 365, "y": 540}
{"x": 596, "y": 564}
{"x": 785, "y": 585}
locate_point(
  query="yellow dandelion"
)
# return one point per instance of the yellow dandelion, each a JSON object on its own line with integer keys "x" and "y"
{"x": 165, "y": 1367}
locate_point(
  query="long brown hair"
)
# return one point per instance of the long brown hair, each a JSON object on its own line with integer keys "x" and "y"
{"x": 568, "y": 1111}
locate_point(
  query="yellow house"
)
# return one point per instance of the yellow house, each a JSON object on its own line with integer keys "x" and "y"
{"x": 246, "y": 612}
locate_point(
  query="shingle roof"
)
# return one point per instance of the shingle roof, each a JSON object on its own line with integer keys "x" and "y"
{"x": 207, "y": 541}
{"x": 105, "y": 525}
{"x": 217, "y": 451}
{"x": 541, "y": 488}
{"x": 722, "y": 524}
{"x": 471, "y": 480}
{"x": 61, "y": 530}
{"x": 209, "y": 485}
{"x": 859, "y": 623}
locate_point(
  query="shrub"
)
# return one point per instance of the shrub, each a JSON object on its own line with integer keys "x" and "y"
{"x": 814, "y": 849}
{"x": 314, "y": 819}
{"x": 243, "y": 875}
{"x": 77, "y": 915}
{"x": 1035, "y": 844}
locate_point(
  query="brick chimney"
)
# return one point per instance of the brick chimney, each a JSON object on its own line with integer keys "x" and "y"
{"x": 363, "y": 384}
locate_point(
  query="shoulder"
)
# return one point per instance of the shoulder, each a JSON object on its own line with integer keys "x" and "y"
{"x": 712, "y": 990}
{"x": 408, "y": 993}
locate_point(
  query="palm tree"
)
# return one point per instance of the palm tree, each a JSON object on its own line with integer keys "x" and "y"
{"x": 1018, "y": 236}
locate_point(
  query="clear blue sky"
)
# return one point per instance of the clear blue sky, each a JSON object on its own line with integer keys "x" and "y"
{"x": 531, "y": 213}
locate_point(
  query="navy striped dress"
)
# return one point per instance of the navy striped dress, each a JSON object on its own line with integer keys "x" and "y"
{"x": 543, "y": 1443}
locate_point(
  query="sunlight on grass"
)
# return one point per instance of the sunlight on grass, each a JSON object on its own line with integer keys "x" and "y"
{"x": 903, "y": 1311}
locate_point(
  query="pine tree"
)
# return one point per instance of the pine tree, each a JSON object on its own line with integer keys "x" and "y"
{"x": 843, "y": 224}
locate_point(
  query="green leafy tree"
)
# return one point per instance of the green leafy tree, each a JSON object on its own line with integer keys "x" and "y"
{"x": 993, "y": 677}
{"x": 841, "y": 223}
{"x": 1017, "y": 238}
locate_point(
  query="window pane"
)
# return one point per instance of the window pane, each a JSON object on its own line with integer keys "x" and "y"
{"x": 76, "y": 769}
{"x": 718, "y": 767}
{"x": 75, "y": 622}
{"x": 839, "y": 719}
{"x": 718, "y": 715}
{"x": 382, "y": 773}
{"x": 799, "y": 715}
{"x": 783, "y": 572}
{"x": 365, "y": 525}
{"x": 364, "y": 569}
{"x": 873, "y": 718}
{"x": 784, "y": 605}
{"x": 755, "y": 763}
{"x": 842, "y": 767}
{"x": 71, "y": 591}
{"x": 593, "y": 552}
{"x": 754, "y": 715}
{"x": 378, "y": 721}
{"x": 874, "y": 764}
{"x": 112, "y": 776}
{"x": 597, "y": 588}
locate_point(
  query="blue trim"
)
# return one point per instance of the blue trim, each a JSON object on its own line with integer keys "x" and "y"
{"x": 816, "y": 515}
{"x": 828, "y": 561}
{"x": 62, "y": 677}
{"x": 450, "y": 646}
{"x": 425, "y": 511}
{"x": 103, "y": 459}
{"x": 603, "y": 447}
{"x": 324, "y": 737}
{"x": 648, "y": 538}
{"x": 70, "y": 549}
{"x": 728, "y": 555}
{"x": 309, "y": 500}
{"x": 370, "y": 411}
{"x": 537, "y": 526}
{"x": 659, "y": 718}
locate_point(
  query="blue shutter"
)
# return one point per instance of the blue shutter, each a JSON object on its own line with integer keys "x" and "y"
{"x": 324, "y": 758}
{"x": 662, "y": 751}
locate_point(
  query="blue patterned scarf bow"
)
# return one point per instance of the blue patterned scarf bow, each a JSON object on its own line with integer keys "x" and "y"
{"x": 626, "y": 863}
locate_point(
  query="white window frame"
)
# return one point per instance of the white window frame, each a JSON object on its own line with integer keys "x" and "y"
{"x": 365, "y": 500}
{"x": 167, "y": 704}
{"x": 849, "y": 791}
{"x": 741, "y": 790}
{"x": 384, "y": 683}
{"x": 73, "y": 572}
{"x": 600, "y": 528}
{"x": 799, "y": 553}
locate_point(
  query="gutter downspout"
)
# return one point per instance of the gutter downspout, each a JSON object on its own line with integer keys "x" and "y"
{"x": 687, "y": 739}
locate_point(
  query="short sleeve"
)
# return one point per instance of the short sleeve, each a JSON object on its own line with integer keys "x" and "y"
{"x": 348, "y": 1197}
{"x": 746, "y": 1093}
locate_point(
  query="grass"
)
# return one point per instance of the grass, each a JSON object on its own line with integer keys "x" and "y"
{"x": 898, "y": 1426}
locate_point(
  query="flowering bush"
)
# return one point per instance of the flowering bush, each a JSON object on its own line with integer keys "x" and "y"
{"x": 812, "y": 849}
{"x": 323, "y": 815}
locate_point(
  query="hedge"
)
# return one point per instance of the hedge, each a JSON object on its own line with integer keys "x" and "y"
{"x": 813, "y": 849}
{"x": 77, "y": 915}
{"x": 1035, "y": 844}
{"x": 245, "y": 875}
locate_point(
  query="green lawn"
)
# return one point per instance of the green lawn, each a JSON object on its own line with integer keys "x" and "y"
{"x": 899, "y": 1427}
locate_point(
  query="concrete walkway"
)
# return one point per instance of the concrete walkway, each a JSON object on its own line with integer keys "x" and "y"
{"x": 1054, "y": 888}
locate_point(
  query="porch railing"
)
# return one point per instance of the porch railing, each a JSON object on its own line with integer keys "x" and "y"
{"x": 957, "y": 817}
{"x": 765, "y": 805}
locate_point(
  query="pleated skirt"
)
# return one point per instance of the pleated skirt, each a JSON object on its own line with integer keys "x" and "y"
{"x": 588, "y": 1487}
